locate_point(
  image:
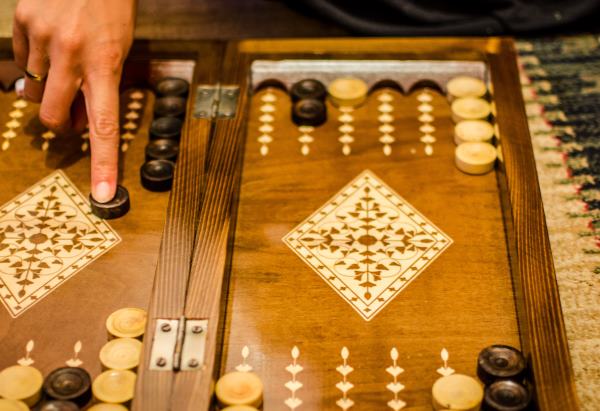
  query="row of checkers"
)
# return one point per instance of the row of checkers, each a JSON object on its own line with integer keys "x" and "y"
{"x": 501, "y": 368}
{"x": 70, "y": 388}
{"x": 165, "y": 132}
{"x": 471, "y": 111}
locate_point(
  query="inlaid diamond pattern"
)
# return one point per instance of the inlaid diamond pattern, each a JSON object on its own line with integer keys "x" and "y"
{"x": 47, "y": 235}
{"x": 367, "y": 243}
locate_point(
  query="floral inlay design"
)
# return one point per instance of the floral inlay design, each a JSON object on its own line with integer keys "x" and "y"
{"x": 368, "y": 243}
{"x": 47, "y": 234}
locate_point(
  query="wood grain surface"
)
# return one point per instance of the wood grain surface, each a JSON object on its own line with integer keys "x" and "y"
{"x": 462, "y": 301}
{"x": 170, "y": 286}
{"x": 193, "y": 390}
{"x": 542, "y": 326}
{"x": 275, "y": 301}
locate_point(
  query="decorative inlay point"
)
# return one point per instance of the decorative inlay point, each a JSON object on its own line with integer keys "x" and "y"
{"x": 445, "y": 370}
{"x": 13, "y": 123}
{"x": 27, "y": 360}
{"x": 395, "y": 387}
{"x": 385, "y": 119}
{"x": 344, "y": 386}
{"x": 367, "y": 243}
{"x": 426, "y": 118}
{"x": 266, "y": 122}
{"x": 131, "y": 125}
{"x": 244, "y": 366}
{"x": 346, "y": 129}
{"x": 75, "y": 361}
{"x": 293, "y": 385}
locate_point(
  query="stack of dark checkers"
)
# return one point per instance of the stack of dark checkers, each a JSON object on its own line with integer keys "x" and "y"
{"x": 308, "y": 99}
{"x": 503, "y": 370}
{"x": 165, "y": 131}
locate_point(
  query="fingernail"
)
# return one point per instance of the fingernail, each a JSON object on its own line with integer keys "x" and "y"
{"x": 103, "y": 192}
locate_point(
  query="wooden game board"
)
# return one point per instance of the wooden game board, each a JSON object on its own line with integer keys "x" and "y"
{"x": 247, "y": 243}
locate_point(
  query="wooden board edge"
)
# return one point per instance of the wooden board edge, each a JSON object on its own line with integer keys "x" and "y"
{"x": 538, "y": 304}
{"x": 153, "y": 388}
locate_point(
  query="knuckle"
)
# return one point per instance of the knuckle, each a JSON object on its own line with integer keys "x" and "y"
{"x": 51, "y": 120}
{"x": 109, "y": 60}
{"x": 101, "y": 168}
{"x": 69, "y": 42}
{"x": 41, "y": 32}
{"x": 106, "y": 129}
{"x": 22, "y": 13}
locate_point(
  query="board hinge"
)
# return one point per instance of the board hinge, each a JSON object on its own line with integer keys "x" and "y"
{"x": 178, "y": 345}
{"x": 216, "y": 101}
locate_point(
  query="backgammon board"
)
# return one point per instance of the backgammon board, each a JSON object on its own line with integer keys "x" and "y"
{"x": 347, "y": 264}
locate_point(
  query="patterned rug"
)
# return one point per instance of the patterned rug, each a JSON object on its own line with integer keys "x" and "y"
{"x": 561, "y": 88}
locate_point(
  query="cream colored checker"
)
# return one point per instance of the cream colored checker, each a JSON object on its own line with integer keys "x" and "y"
{"x": 121, "y": 354}
{"x": 469, "y": 108}
{"x": 107, "y": 407}
{"x": 114, "y": 386}
{"x": 239, "y": 388}
{"x": 473, "y": 130}
{"x": 12, "y": 405}
{"x": 457, "y": 392}
{"x": 240, "y": 408}
{"x": 21, "y": 383}
{"x": 348, "y": 91}
{"x": 466, "y": 86}
{"x": 127, "y": 322}
{"x": 475, "y": 158}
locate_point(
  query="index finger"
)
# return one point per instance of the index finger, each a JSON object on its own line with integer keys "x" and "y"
{"x": 101, "y": 91}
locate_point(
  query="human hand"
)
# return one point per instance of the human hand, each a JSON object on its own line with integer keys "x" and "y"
{"x": 77, "y": 47}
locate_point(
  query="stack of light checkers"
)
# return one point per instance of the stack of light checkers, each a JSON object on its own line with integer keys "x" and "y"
{"x": 71, "y": 388}
{"x": 120, "y": 358}
{"x": 473, "y": 132}
{"x": 501, "y": 369}
{"x": 165, "y": 131}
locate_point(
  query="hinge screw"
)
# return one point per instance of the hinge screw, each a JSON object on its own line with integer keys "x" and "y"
{"x": 165, "y": 327}
{"x": 197, "y": 329}
{"x": 193, "y": 363}
{"x": 161, "y": 362}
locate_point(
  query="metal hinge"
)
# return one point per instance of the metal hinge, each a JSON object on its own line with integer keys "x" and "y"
{"x": 178, "y": 345}
{"x": 216, "y": 101}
